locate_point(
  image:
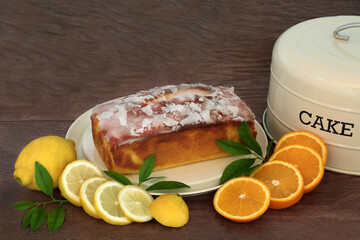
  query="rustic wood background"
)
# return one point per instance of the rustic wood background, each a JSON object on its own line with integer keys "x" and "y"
{"x": 60, "y": 58}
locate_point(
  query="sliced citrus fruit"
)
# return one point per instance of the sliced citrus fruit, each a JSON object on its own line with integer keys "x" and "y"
{"x": 242, "y": 199}
{"x": 135, "y": 203}
{"x": 307, "y": 160}
{"x": 73, "y": 177}
{"x": 284, "y": 180}
{"x": 87, "y": 192}
{"x": 303, "y": 138}
{"x": 107, "y": 205}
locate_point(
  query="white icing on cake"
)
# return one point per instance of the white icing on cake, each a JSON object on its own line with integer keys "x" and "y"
{"x": 147, "y": 110}
{"x": 168, "y": 109}
{"x": 122, "y": 114}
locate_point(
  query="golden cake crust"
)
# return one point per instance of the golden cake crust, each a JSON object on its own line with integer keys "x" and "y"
{"x": 171, "y": 149}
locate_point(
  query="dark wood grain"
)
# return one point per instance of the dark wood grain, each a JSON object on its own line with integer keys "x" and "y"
{"x": 60, "y": 58}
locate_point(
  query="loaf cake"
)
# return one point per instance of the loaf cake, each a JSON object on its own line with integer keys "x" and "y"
{"x": 178, "y": 123}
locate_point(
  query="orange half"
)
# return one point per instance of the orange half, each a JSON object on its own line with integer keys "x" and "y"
{"x": 242, "y": 199}
{"x": 307, "y": 160}
{"x": 303, "y": 138}
{"x": 284, "y": 180}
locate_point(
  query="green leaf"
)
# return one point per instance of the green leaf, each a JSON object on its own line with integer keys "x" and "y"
{"x": 56, "y": 218}
{"x": 167, "y": 185}
{"x": 27, "y": 217}
{"x": 23, "y": 205}
{"x": 150, "y": 178}
{"x": 248, "y": 139}
{"x": 236, "y": 169}
{"x": 43, "y": 179}
{"x": 118, "y": 177}
{"x": 250, "y": 170}
{"x": 146, "y": 168}
{"x": 232, "y": 147}
{"x": 268, "y": 148}
{"x": 38, "y": 218}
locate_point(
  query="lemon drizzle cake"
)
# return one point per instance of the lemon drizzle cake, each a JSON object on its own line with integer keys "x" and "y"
{"x": 177, "y": 123}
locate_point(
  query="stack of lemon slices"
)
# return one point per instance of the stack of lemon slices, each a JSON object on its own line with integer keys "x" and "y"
{"x": 84, "y": 184}
{"x": 296, "y": 167}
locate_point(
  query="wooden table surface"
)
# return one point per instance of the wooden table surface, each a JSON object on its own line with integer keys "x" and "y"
{"x": 60, "y": 58}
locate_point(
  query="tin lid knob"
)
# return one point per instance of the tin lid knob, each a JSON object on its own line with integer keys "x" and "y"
{"x": 340, "y": 36}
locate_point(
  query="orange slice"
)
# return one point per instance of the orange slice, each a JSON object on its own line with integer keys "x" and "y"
{"x": 303, "y": 138}
{"x": 284, "y": 180}
{"x": 307, "y": 160}
{"x": 242, "y": 199}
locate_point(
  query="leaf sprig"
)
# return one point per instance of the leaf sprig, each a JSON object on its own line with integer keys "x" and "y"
{"x": 249, "y": 146}
{"x": 37, "y": 215}
{"x": 144, "y": 175}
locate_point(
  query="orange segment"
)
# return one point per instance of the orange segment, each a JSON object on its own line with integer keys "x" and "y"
{"x": 242, "y": 199}
{"x": 307, "y": 160}
{"x": 303, "y": 138}
{"x": 284, "y": 180}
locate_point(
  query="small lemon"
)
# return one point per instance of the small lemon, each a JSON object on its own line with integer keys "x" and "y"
{"x": 53, "y": 152}
{"x": 170, "y": 210}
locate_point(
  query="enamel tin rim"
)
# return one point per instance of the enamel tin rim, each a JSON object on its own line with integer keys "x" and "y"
{"x": 315, "y": 86}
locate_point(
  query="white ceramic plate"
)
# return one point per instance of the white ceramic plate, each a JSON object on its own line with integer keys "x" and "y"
{"x": 202, "y": 177}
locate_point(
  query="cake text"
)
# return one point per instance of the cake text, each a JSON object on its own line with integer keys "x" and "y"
{"x": 326, "y": 124}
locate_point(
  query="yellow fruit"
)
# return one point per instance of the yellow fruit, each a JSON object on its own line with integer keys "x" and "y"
{"x": 135, "y": 203}
{"x": 73, "y": 177}
{"x": 53, "y": 152}
{"x": 87, "y": 192}
{"x": 242, "y": 199}
{"x": 106, "y": 203}
{"x": 170, "y": 210}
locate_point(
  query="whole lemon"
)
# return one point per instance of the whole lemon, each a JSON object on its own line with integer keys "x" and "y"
{"x": 170, "y": 210}
{"x": 53, "y": 152}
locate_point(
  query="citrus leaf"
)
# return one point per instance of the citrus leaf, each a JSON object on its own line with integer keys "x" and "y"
{"x": 56, "y": 218}
{"x": 27, "y": 217}
{"x": 118, "y": 177}
{"x": 146, "y": 168}
{"x": 268, "y": 148}
{"x": 248, "y": 139}
{"x": 167, "y": 185}
{"x": 38, "y": 218}
{"x": 250, "y": 170}
{"x": 233, "y": 148}
{"x": 150, "y": 178}
{"x": 43, "y": 179}
{"x": 236, "y": 169}
{"x": 23, "y": 205}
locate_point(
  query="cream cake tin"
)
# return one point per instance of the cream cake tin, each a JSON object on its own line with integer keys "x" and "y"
{"x": 315, "y": 86}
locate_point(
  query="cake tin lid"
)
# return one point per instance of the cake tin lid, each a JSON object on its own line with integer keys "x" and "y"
{"x": 311, "y": 60}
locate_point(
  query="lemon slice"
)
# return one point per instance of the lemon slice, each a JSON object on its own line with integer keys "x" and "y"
{"x": 87, "y": 192}
{"x": 135, "y": 203}
{"x": 106, "y": 203}
{"x": 73, "y": 177}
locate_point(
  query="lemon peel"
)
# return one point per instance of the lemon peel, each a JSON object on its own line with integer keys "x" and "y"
{"x": 53, "y": 152}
